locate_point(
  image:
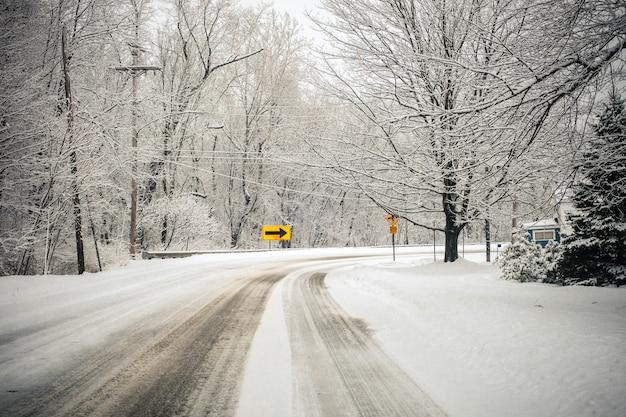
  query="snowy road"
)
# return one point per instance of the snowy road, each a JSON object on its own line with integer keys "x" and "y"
{"x": 135, "y": 351}
{"x": 309, "y": 333}
{"x": 191, "y": 368}
{"x": 169, "y": 338}
{"x": 340, "y": 369}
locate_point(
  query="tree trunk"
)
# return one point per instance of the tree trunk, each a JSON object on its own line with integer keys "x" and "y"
{"x": 168, "y": 192}
{"x": 78, "y": 224}
{"x": 213, "y": 180}
{"x": 80, "y": 253}
{"x": 164, "y": 230}
{"x": 234, "y": 235}
{"x": 452, "y": 243}
{"x": 93, "y": 234}
{"x": 514, "y": 214}
{"x": 406, "y": 233}
{"x": 451, "y": 230}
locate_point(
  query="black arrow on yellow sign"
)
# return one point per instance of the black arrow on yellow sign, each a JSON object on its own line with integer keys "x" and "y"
{"x": 276, "y": 232}
{"x": 280, "y": 232}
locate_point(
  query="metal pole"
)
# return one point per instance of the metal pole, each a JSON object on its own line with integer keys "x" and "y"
{"x": 393, "y": 246}
{"x": 434, "y": 244}
{"x": 45, "y": 261}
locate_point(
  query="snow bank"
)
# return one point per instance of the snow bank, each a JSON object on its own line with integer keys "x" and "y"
{"x": 485, "y": 347}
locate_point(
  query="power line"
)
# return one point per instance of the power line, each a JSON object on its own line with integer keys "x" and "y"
{"x": 269, "y": 186}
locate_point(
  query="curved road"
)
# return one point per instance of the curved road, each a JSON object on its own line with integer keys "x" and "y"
{"x": 176, "y": 343}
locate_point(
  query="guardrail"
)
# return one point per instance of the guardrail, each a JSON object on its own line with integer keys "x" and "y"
{"x": 185, "y": 254}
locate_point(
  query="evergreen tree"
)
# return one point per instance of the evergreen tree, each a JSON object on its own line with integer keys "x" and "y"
{"x": 552, "y": 254}
{"x": 523, "y": 260}
{"x": 595, "y": 253}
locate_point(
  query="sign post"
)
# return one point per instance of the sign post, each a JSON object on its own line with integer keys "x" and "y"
{"x": 393, "y": 230}
{"x": 434, "y": 243}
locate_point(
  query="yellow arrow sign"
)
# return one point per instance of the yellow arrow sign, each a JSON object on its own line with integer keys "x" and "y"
{"x": 276, "y": 232}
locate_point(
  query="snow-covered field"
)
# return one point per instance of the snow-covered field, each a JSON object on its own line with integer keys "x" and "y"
{"x": 484, "y": 347}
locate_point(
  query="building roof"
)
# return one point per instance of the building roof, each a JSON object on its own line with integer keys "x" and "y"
{"x": 542, "y": 224}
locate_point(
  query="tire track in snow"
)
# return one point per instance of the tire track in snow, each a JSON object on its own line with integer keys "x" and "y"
{"x": 340, "y": 370}
{"x": 85, "y": 373}
{"x": 195, "y": 369}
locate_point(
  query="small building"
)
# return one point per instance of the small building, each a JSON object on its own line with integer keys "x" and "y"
{"x": 543, "y": 231}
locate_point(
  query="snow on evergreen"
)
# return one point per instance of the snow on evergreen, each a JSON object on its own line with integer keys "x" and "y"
{"x": 523, "y": 260}
{"x": 552, "y": 254}
{"x": 595, "y": 253}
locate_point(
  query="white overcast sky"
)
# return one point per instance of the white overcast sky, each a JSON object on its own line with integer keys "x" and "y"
{"x": 296, "y": 8}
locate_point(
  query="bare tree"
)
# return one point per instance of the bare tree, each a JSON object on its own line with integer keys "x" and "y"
{"x": 51, "y": 77}
{"x": 453, "y": 94}
{"x": 262, "y": 86}
{"x": 69, "y": 109}
{"x": 195, "y": 59}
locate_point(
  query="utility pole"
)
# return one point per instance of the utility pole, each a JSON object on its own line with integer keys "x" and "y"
{"x": 135, "y": 70}
{"x": 134, "y": 139}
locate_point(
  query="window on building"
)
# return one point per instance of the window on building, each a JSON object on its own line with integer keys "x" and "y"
{"x": 544, "y": 234}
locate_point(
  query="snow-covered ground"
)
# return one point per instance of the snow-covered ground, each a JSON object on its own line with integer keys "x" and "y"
{"x": 484, "y": 347}
{"x": 477, "y": 345}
